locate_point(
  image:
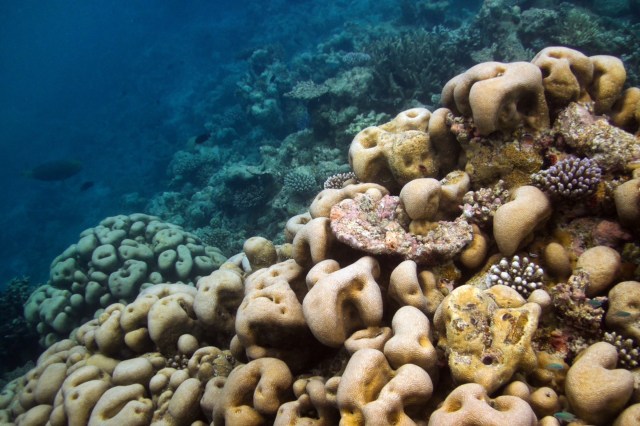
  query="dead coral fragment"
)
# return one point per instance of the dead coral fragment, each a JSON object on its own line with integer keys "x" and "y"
{"x": 480, "y": 206}
{"x": 573, "y": 305}
{"x": 592, "y": 136}
{"x": 379, "y": 226}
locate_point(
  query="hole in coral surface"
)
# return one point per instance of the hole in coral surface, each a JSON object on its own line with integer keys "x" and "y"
{"x": 545, "y": 72}
{"x": 488, "y": 360}
{"x": 452, "y": 406}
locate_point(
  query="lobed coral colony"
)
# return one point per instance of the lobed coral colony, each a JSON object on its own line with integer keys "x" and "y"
{"x": 478, "y": 267}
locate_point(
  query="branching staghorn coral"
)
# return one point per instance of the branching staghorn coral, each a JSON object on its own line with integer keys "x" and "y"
{"x": 628, "y": 350}
{"x": 338, "y": 180}
{"x": 300, "y": 181}
{"x": 570, "y": 178}
{"x": 521, "y": 274}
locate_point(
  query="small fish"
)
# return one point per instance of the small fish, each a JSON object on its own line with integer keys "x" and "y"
{"x": 202, "y": 138}
{"x": 555, "y": 366}
{"x": 55, "y": 170}
{"x": 565, "y": 416}
{"x": 86, "y": 185}
{"x": 595, "y": 303}
{"x": 622, "y": 314}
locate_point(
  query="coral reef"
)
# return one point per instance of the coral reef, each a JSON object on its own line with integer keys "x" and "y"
{"x": 339, "y": 180}
{"x": 111, "y": 263}
{"x": 569, "y": 178}
{"x": 480, "y": 206}
{"x": 522, "y": 275}
{"x": 18, "y": 339}
{"x": 286, "y": 109}
{"x": 380, "y": 226}
{"x": 385, "y": 305}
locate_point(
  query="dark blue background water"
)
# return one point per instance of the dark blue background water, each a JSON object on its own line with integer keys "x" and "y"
{"x": 119, "y": 86}
{"x": 112, "y": 84}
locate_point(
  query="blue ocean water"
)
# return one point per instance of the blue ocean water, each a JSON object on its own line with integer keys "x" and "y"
{"x": 111, "y": 85}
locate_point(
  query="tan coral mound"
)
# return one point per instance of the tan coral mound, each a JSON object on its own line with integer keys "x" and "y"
{"x": 499, "y": 96}
{"x": 486, "y": 338}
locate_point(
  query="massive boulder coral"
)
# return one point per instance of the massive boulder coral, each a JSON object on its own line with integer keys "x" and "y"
{"x": 112, "y": 262}
{"x": 571, "y": 76}
{"x": 371, "y": 392}
{"x": 162, "y": 384}
{"x": 499, "y": 96}
{"x": 626, "y": 111}
{"x": 567, "y": 74}
{"x": 342, "y": 300}
{"x": 469, "y": 404}
{"x": 251, "y": 394}
{"x": 406, "y": 148}
{"x": 270, "y": 320}
{"x": 351, "y": 322}
{"x": 515, "y": 221}
{"x": 595, "y": 388}
{"x": 487, "y": 339}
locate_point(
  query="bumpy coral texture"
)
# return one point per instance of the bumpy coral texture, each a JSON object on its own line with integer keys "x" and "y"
{"x": 486, "y": 342}
{"x": 112, "y": 262}
{"x": 442, "y": 288}
{"x": 571, "y": 178}
{"x": 396, "y": 152}
{"x": 379, "y": 226}
{"x": 522, "y": 275}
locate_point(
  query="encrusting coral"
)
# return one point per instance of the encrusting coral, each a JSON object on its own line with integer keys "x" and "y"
{"x": 438, "y": 286}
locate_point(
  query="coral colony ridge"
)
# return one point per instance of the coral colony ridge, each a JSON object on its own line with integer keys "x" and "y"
{"x": 476, "y": 263}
